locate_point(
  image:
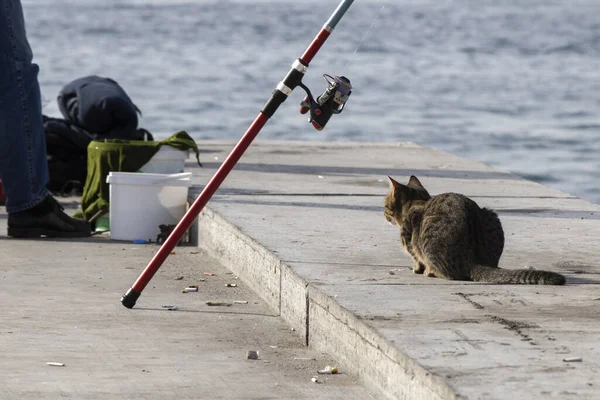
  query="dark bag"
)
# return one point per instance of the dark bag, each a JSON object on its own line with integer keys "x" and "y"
{"x": 66, "y": 151}
{"x": 94, "y": 108}
{"x": 100, "y": 106}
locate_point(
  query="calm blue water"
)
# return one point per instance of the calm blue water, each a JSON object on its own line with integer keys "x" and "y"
{"x": 510, "y": 83}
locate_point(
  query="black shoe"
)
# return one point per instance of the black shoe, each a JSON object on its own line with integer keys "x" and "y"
{"x": 46, "y": 219}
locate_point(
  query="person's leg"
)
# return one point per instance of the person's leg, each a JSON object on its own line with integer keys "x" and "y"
{"x": 23, "y": 164}
{"x": 32, "y": 211}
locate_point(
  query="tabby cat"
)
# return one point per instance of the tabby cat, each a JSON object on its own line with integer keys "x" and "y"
{"x": 449, "y": 236}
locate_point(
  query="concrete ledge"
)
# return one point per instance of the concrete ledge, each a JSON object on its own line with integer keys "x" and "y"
{"x": 338, "y": 331}
{"x": 244, "y": 256}
{"x": 302, "y": 224}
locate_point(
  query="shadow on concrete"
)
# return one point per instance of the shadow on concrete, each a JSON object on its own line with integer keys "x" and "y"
{"x": 548, "y": 212}
{"x": 533, "y": 212}
{"x": 345, "y": 264}
{"x": 300, "y": 204}
{"x": 195, "y": 190}
{"x": 577, "y": 280}
{"x": 333, "y": 170}
{"x": 483, "y": 196}
{"x": 221, "y": 311}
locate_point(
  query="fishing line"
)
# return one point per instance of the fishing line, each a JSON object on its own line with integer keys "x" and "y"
{"x": 363, "y": 38}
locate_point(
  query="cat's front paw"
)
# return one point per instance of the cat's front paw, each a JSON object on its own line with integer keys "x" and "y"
{"x": 430, "y": 272}
{"x": 418, "y": 267}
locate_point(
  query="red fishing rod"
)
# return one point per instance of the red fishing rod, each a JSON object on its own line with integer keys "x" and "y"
{"x": 331, "y": 102}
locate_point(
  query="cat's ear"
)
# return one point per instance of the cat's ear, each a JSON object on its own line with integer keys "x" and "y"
{"x": 393, "y": 184}
{"x": 415, "y": 182}
{"x": 396, "y": 188}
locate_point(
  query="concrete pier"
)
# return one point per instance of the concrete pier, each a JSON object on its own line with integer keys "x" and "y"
{"x": 301, "y": 224}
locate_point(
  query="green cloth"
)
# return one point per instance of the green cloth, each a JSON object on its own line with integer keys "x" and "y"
{"x": 121, "y": 156}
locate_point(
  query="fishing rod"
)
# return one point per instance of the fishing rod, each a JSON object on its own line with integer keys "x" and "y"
{"x": 330, "y": 102}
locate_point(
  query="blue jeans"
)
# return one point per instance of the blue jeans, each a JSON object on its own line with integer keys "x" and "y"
{"x": 23, "y": 163}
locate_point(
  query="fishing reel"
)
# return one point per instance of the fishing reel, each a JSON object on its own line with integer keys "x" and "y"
{"x": 331, "y": 101}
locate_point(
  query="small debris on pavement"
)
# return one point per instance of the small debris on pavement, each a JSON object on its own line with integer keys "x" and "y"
{"x": 529, "y": 267}
{"x": 169, "y": 307}
{"x": 328, "y": 370}
{"x": 315, "y": 379}
{"x": 218, "y": 303}
{"x": 573, "y": 359}
{"x": 273, "y": 347}
{"x": 173, "y": 252}
{"x": 209, "y": 274}
{"x": 55, "y": 364}
{"x": 305, "y": 358}
{"x": 180, "y": 277}
{"x": 252, "y": 355}
{"x": 231, "y": 285}
{"x": 188, "y": 289}
{"x": 240, "y": 302}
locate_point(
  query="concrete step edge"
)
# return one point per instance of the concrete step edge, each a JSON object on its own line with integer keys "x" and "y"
{"x": 317, "y": 317}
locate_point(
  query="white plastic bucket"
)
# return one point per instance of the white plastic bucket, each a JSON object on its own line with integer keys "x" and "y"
{"x": 139, "y": 203}
{"x": 167, "y": 160}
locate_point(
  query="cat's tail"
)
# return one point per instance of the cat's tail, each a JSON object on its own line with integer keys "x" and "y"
{"x": 483, "y": 273}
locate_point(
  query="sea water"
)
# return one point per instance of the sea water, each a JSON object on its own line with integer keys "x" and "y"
{"x": 513, "y": 84}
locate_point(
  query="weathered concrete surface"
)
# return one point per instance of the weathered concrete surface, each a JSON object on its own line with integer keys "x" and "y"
{"x": 302, "y": 224}
{"x": 60, "y": 303}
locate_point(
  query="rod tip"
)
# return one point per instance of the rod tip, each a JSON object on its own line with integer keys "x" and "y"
{"x": 130, "y": 298}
